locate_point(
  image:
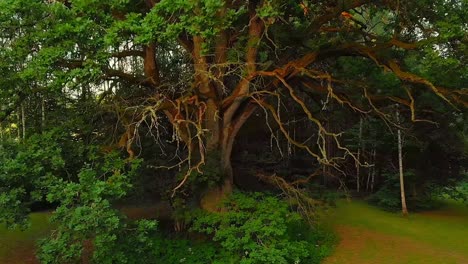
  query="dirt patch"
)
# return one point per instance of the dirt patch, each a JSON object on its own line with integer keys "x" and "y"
{"x": 19, "y": 252}
{"x": 362, "y": 246}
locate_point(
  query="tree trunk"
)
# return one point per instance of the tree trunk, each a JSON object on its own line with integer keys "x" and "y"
{"x": 212, "y": 198}
{"x": 18, "y": 127}
{"x": 404, "y": 209}
{"x": 23, "y": 121}
{"x": 358, "y": 166}
{"x": 368, "y": 178}
{"x": 43, "y": 107}
{"x": 224, "y": 124}
{"x": 373, "y": 168}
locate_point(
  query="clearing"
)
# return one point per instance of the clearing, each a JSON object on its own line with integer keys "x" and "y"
{"x": 371, "y": 236}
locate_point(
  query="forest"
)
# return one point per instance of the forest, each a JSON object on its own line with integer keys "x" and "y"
{"x": 233, "y": 131}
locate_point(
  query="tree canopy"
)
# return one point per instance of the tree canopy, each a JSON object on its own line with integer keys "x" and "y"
{"x": 175, "y": 82}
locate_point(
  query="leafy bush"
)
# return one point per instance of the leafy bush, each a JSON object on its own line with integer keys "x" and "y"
{"x": 388, "y": 196}
{"x": 178, "y": 250}
{"x": 86, "y": 219}
{"x": 456, "y": 190}
{"x": 322, "y": 193}
{"x": 23, "y": 169}
{"x": 258, "y": 228}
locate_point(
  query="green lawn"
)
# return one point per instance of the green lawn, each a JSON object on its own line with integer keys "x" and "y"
{"x": 369, "y": 235}
{"x": 18, "y": 246}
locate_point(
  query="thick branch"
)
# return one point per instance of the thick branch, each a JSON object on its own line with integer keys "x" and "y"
{"x": 240, "y": 92}
{"x": 150, "y": 65}
{"x": 137, "y": 80}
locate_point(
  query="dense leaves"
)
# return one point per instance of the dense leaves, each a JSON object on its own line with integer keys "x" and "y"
{"x": 86, "y": 217}
{"x": 24, "y": 170}
{"x": 259, "y": 228}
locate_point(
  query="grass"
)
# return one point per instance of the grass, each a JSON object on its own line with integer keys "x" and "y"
{"x": 17, "y": 246}
{"x": 370, "y": 235}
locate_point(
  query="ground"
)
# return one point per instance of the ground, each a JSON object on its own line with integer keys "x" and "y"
{"x": 367, "y": 236}
{"x": 17, "y": 247}
{"x": 371, "y": 236}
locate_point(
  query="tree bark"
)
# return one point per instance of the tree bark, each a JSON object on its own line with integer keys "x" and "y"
{"x": 373, "y": 168}
{"x": 224, "y": 124}
{"x": 150, "y": 66}
{"x": 23, "y": 121}
{"x": 404, "y": 209}
{"x": 212, "y": 198}
{"x": 18, "y": 128}
{"x": 358, "y": 166}
{"x": 43, "y": 107}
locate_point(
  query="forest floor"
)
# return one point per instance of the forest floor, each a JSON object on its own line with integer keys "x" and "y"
{"x": 18, "y": 247}
{"x": 371, "y": 236}
{"x": 367, "y": 236}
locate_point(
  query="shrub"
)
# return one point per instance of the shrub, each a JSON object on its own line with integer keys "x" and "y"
{"x": 23, "y": 169}
{"x": 258, "y": 228}
{"x": 456, "y": 190}
{"x": 388, "y": 196}
{"x": 86, "y": 219}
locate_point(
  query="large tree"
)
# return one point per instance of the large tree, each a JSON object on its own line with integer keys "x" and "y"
{"x": 204, "y": 66}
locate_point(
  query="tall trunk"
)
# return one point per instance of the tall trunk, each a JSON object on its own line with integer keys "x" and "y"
{"x": 43, "y": 106}
{"x": 223, "y": 125}
{"x": 213, "y": 197}
{"x": 23, "y": 121}
{"x": 369, "y": 172}
{"x": 18, "y": 122}
{"x": 358, "y": 166}
{"x": 212, "y": 123}
{"x": 404, "y": 209}
{"x": 373, "y": 169}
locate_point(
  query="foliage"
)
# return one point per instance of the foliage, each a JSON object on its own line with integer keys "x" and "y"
{"x": 85, "y": 216}
{"x": 324, "y": 194}
{"x": 258, "y": 228}
{"x": 457, "y": 190}
{"x": 209, "y": 175}
{"x": 24, "y": 169}
{"x": 179, "y": 250}
{"x": 388, "y": 196}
